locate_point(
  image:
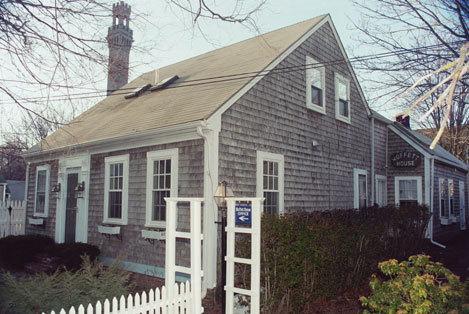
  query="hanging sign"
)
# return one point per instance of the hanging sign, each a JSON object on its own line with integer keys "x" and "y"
{"x": 243, "y": 214}
{"x": 405, "y": 159}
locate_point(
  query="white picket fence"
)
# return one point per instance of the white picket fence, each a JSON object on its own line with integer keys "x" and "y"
{"x": 155, "y": 302}
{"x": 14, "y": 223}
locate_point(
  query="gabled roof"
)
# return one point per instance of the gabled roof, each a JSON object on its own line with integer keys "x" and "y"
{"x": 423, "y": 143}
{"x": 185, "y": 101}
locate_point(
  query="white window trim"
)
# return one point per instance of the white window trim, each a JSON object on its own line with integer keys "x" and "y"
{"x": 356, "y": 196}
{"x": 47, "y": 188}
{"x": 320, "y": 67}
{"x": 451, "y": 213}
{"x": 396, "y": 187}
{"x": 337, "y": 78}
{"x": 261, "y": 156}
{"x": 124, "y": 159}
{"x": 151, "y": 158}
{"x": 379, "y": 177}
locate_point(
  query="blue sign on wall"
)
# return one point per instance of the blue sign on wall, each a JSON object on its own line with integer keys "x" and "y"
{"x": 243, "y": 214}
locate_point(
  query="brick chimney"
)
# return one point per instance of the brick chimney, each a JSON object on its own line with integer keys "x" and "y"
{"x": 405, "y": 121}
{"x": 119, "y": 39}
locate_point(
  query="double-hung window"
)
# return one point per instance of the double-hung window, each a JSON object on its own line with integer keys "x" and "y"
{"x": 381, "y": 190}
{"x": 342, "y": 98}
{"x": 360, "y": 188}
{"x": 116, "y": 187}
{"x": 162, "y": 181}
{"x": 315, "y": 85}
{"x": 270, "y": 184}
{"x": 408, "y": 191}
{"x": 41, "y": 193}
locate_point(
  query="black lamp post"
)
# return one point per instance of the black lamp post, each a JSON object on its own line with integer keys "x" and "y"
{"x": 223, "y": 191}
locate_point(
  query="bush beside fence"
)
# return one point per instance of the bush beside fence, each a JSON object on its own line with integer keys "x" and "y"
{"x": 309, "y": 256}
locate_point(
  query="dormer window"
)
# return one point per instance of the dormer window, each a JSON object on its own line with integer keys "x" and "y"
{"x": 342, "y": 98}
{"x": 315, "y": 85}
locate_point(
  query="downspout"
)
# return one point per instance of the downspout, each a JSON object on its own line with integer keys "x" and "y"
{"x": 432, "y": 185}
{"x": 372, "y": 160}
{"x": 26, "y": 182}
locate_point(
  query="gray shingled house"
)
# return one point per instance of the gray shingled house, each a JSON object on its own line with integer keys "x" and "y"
{"x": 279, "y": 115}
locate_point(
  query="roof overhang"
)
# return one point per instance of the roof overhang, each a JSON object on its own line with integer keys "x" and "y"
{"x": 170, "y": 134}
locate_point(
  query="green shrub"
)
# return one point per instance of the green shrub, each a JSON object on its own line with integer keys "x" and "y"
{"x": 17, "y": 251}
{"x": 44, "y": 292}
{"x": 70, "y": 255}
{"x": 316, "y": 255}
{"x": 414, "y": 286}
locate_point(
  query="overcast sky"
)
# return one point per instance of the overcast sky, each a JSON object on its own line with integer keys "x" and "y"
{"x": 172, "y": 38}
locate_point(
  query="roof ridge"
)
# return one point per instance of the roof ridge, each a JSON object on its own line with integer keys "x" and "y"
{"x": 320, "y": 17}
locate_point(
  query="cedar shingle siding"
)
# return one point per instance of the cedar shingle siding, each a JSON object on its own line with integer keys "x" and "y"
{"x": 273, "y": 117}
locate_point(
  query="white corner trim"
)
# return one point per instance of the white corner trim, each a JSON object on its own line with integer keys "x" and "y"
{"x": 124, "y": 159}
{"x": 320, "y": 67}
{"x": 46, "y": 192}
{"x": 340, "y": 78}
{"x": 266, "y": 156}
{"x": 356, "y": 196}
{"x": 173, "y": 155}
{"x": 419, "y": 187}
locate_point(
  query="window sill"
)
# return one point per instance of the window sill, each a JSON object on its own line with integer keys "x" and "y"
{"x": 111, "y": 230}
{"x": 39, "y": 215}
{"x": 343, "y": 119}
{"x": 454, "y": 218}
{"x": 316, "y": 108}
{"x": 110, "y": 221}
{"x": 153, "y": 234}
{"x": 445, "y": 221}
{"x": 35, "y": 221}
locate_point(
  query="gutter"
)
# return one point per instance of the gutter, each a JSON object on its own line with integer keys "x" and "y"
{"x": 372, "y": 160}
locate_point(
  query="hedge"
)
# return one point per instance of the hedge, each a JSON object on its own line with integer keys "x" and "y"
{"x": 307, "y": 256}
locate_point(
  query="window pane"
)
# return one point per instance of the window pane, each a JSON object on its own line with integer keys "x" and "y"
{"x": 408, "y": 190}
{"x": 41, "y": 180}
{"x": 362, "y": 191}
{"x": 271, "y": 202}
{"x": 342, "y": 90}
{"x": 316, "y": 77}
{"x": 115, "y": 204}
{"x": 265, "y": 167}
{"x": 40, "y": 202}
{"x": 159, "y": 205}
{"x": 316, "y": 96}
{"x": 343, "y": 107}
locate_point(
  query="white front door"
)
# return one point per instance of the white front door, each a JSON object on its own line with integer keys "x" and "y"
{"x": 462, "y": 205}
{"x": 71, "y": 223}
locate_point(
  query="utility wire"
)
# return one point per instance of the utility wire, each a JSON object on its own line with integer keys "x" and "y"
{"x": 238, "y": 76}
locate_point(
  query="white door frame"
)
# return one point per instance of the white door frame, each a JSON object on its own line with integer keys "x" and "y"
{"x": 81, "y": 231}
{"x": 462, "y": 204}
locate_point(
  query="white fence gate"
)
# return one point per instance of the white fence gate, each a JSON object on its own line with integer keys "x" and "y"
{"x": 195, "y": 237}
{"x": 14, "y": 222}
{"x": 243, "y": 217}
{"x": 156, "y": 301}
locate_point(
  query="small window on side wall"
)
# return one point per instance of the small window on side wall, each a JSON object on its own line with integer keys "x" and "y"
{"x": 270, "y": 184}
{"x": 315, "y": 85}
{"x": 162, "y": 182}
{"x": 342, "y": 98}
{"x": 41, "y": 193}
{"x": 116, "y": 187}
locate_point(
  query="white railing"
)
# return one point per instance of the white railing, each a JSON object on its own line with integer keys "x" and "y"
{"x": 156, "y": 301}
{"x": 12, "y": 223}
